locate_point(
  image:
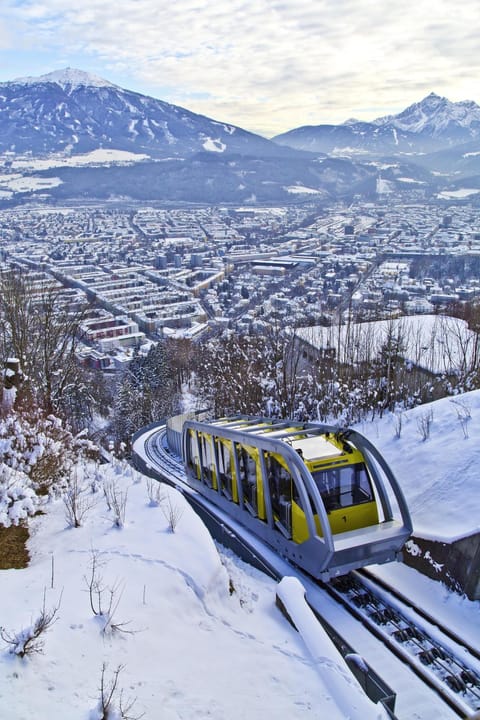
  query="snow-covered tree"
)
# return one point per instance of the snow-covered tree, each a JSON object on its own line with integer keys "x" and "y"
{"x": 37, "y": 454}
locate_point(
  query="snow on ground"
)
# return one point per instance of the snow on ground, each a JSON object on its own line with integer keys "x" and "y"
{"x": 457, "y": 612}
{"x": 461, "y": 193}
{"x": 335, "y": 675}
{"x": 101, "y": 156}
{"x": 29, "y": 183}
{"x": 301, "y": 189}
{"x": 214, "y": 145}
{"x": 188, "y": 649}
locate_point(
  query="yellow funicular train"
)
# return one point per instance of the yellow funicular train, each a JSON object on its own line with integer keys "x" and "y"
{"x": 326, "y": 499}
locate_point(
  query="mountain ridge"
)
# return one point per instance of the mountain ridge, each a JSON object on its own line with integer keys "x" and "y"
{"x": 70, "y": 110}
{"x": 432, "y": 124}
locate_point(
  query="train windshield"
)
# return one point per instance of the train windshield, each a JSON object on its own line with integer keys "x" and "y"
{"x": 343, "y": 486}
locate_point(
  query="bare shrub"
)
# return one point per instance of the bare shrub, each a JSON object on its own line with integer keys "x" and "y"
{"x": 104, "y": 599}
{"x": 172, "y": 512}
{"x": 77, "y": 502}
{"x": 108, "y": 705}
{"x": 464, "y": 415}
{"x": 424, "y": 423}
{"x": 398, "y": 424}
{"x": 96, "y": 480}
{"x": 155, "y": 492}
{"x": 30, "y": 640}
{"x": 116, "y": 502}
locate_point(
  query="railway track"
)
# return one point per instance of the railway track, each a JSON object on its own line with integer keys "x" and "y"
{"x": 444, "y": 662}
{"x": 448, "y": 664}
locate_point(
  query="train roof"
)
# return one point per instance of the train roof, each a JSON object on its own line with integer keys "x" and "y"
{"x": 316, "y": 448}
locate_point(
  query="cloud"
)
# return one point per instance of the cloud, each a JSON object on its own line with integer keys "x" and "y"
{"x": 269, "y": 65}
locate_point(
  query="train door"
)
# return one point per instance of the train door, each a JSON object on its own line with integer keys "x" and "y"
{"x": 193, "y": 455}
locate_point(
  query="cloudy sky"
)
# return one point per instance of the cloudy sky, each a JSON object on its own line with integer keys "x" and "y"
{"x": 266, "y": 65}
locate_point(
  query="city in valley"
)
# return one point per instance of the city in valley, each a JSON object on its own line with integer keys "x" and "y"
{"x": 148, "y": 272}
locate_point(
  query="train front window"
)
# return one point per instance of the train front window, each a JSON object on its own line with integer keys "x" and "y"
{"x": 342, "y": 487}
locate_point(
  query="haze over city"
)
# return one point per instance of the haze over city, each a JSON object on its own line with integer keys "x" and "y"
{"x": 267, "y": 67}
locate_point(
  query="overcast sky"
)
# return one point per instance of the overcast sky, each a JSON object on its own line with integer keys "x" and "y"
{"x": 265, "y": 65}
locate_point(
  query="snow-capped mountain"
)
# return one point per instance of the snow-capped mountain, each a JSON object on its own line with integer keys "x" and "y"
{"x": 72, "y": 111}
{"x": 70, "y": 134}
{"x": 68, "y": 78}
{"x": 432, "y": 124}
{"x": 438, "y": 117}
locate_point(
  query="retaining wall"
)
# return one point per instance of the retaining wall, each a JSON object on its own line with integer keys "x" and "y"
{"x": 457, "y": 564}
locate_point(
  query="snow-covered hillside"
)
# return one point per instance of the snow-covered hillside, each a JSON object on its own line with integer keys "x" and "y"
{"x": 186, "y": 646}
{"x": 66, "y": 78}
{"x": 438, "y": 473}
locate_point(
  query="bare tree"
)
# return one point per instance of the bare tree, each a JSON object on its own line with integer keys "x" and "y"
{"x": 109, "y": 691}
{"x": 284, "y": 356}
{"x": 39, "y": 328}
{"x": 173, "y": 513}
{"x": 464, "y": 415}
{"x": 116, "y": 502}
{"x": 155, "y": 492}
{"x": 104, "y": 599}
{"x": 398, "y": 423}
{"x": 229, "y": 373}
{"x": 424, "y": 423}
{"x": 77, "y": 503}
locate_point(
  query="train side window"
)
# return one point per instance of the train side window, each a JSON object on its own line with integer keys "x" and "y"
{"x": 206, "y": 456}
{"x": 193, "y": 459}
{"x": 248, "y": 479}
{"x": 225, "y": 469}
{"x": 362, "y": 484}
{"x": 282, "y": 491}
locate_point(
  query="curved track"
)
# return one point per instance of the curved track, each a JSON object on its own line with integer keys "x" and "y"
{"x": 443, "y": 661}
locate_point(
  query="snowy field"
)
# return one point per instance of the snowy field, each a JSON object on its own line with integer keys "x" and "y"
{"x": 191, "y": 634}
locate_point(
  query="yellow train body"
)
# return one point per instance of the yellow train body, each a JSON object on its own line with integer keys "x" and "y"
{"x": 347, "y": 509}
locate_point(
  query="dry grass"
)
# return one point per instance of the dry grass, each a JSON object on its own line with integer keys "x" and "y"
{"x": 13, "y": 547}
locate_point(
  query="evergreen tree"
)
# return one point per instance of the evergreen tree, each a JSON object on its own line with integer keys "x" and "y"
{"x": 145, "y": 394}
